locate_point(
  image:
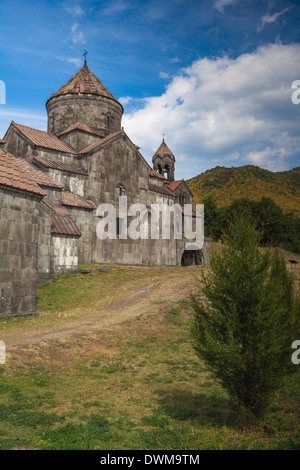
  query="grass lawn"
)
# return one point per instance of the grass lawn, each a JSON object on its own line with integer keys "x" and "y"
{"x": 135, "y": 385}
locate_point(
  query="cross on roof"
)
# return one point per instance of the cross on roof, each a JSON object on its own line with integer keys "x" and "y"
{"x": 85, "y": 53}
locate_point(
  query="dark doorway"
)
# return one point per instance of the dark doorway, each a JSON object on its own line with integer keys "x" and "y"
{"x": 191, "y": 258}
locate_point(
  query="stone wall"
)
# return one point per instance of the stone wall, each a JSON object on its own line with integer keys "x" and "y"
{"x": 78, "y": 139}
{"x": 64, "y": 254}
{"x": 19, "y": 231}
{"x": 17, "y": 145}
{"x": 102, "y": 114}
{"x": 84, "y": 221}
{"x": 72, "y": 182}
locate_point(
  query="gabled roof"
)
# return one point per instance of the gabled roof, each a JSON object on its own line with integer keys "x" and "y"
{"x": 99, "y": 142}
{"x": 42, "y": 138}
{"x": 74, "y": 200}
{"x": 79, "y": 126}
{"x": 155, "y": 174}
{"x": 45, "y": 162}
{"x": 160, "y": 189}
{"x": 174, "y": 184}
{"x": 13, "y": 176}
{"x": 84, "y": 81}
{"x": 163, "y": 150}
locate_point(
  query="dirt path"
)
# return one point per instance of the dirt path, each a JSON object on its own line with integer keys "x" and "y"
{"x": 150, "y": 299}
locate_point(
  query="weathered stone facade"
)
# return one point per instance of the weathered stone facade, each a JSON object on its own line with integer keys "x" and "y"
{"x": 84, "y": 159}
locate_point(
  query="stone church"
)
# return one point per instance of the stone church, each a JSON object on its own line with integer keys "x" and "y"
{"x": 51, "y": 184}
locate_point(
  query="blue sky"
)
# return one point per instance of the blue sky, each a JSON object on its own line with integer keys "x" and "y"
{"x": 214, "y": 76}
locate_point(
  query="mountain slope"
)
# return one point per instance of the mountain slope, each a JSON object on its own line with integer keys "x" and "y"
{"x": 227, "y": 184}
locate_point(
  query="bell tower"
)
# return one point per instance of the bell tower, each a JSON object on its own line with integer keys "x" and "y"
{"x": 164, "y": 161}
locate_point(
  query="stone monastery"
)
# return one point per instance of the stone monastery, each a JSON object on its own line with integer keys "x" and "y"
{"x": 51, "y": 184}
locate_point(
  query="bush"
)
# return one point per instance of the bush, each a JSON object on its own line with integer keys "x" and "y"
{"x": 245, "y": 327}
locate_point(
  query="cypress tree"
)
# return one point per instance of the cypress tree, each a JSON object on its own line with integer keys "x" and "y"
{"x": 245, "y": 327}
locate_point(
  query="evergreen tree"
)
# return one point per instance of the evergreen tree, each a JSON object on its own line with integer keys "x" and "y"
{"x": 245, "y": 328}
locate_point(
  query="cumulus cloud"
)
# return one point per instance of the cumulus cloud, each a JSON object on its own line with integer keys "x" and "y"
{"x": 224, "y": 110}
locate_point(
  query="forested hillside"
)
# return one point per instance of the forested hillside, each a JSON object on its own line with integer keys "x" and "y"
{"x": 225, "y": 185}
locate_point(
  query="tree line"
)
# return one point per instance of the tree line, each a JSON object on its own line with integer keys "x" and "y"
{"x": 276, "y": 227}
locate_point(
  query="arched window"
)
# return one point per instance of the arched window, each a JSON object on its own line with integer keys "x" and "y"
{"x": 159, "y": 168}
{"x": 166, "y": 171}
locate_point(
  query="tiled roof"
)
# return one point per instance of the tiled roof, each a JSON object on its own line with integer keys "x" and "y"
{"x": 59, "y": 166}
{"x": 43, "y": 138}
{"x": 78, "y": 126}
{"x": 155, "y": 174}
{"x": 174, "y": 184}
{"x": 74, "y": 200}
{"x": 64, "y": 225}
{"x": 84, "y": 81}
{"x": 2, "y": 141}
{"x": 160, "y": 189}
{"x": 40, "y": 177}
{"x": 163, "y": 150}
{"x": 60, "y": 210}
{"x": 99, "y": 142}
{"x": 12, "y": 175}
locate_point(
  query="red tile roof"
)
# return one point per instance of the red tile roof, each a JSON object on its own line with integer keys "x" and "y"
{"x": 74, "y": 200}
{"x": 12, "y": 175}
{"x": 174, "y": 184}
{"x": 79, "y": 126}
{"x": 59, "y": 166}
{"x": 64, "y": 225}
{"x": 160, "y": 189}
{"x": 40, "y": 177}
{"x": 155, "y": 174}
{"x": 42, "y": 138}
{"x": 163, "y": 150}
{"x": 84, "y": 81}
{"x": 60, "y": 210}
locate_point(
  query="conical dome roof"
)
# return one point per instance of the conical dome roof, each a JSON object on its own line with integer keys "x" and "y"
{"x": 84, "y": 81}
{"x": 84, "y": 98}
{"x": 163, "y": 150}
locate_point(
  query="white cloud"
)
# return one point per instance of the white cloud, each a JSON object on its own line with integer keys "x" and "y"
{"x": 220, "y": 4}
{"x": 164, "y": 75}
{"x": 234, "y": 110}
{"x": 75, "y": 10}
{"x": 77, "y": 36}
{"x": 75, "y": 60}
{"x": 271, "y": 18}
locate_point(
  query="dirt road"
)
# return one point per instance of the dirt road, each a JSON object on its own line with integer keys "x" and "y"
{"x": 131, "y": 300}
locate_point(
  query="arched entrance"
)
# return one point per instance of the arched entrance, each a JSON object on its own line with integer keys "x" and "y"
{"x": 191, "y": 258}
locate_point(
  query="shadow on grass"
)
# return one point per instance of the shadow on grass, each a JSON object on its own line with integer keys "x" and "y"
{"x": 201, "y": 408}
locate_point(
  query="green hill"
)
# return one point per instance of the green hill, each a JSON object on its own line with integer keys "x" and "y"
{"x": 251, "y": 182}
